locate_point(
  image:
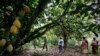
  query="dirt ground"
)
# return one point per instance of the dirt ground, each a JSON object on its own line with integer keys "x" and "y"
{"x": 51, "y": 52}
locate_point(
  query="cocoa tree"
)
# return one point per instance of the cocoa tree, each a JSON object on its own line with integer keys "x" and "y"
{"x": 18, "y": 33}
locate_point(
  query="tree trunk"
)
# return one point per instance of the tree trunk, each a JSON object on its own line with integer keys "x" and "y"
{"x": 65, "y": 40}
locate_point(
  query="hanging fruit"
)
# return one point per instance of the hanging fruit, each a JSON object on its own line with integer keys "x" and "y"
{"x": 17, "y": 23}
{"x": 13, "y": 29}
{"x": 10, "y": 48}
{"x": 2, "y": 42}
{"x": 26, "y": 9}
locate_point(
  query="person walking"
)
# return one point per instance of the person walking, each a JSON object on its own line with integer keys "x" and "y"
{"x": 61, "y": 45}
{"x": 94, "y": 45}
{"x": 84, "y": 47}
{"x": 45, "y": 44}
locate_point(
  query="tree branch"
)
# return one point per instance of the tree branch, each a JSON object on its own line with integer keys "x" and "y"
{"x": 41, "y": 6}
{"x": 36, "y": 35}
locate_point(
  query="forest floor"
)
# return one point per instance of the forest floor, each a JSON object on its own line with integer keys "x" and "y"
{"x": 52, "y": 52}
{"x": 68, "y": 52}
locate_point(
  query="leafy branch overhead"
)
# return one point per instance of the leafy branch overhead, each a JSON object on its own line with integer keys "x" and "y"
{"x": 25, "y": 20}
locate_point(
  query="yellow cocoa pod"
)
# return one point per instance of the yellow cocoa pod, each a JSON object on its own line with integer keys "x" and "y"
{"x": 17, "y": 23}
{"x": 13, "y": 29}
{"x": 2, "y": 42}
{"x": 10, "y": 48}
{"x": 26, "y": 9}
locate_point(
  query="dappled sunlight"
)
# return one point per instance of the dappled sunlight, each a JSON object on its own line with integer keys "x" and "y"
{"x": 49, "y": 27}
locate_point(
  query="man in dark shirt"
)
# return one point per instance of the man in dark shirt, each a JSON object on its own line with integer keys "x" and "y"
{"x": 45, "y": 44}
